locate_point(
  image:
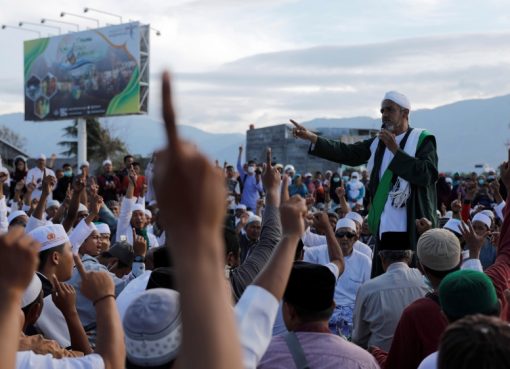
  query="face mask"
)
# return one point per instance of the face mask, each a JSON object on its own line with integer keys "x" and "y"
{"x": 481, "y": 182}
{"x": 251, "y": 170}
{"x": 336, "y": 179}
{"x": 68, "y": 173}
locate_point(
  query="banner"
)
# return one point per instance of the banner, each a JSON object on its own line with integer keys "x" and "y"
{"x": 83, "y": 74}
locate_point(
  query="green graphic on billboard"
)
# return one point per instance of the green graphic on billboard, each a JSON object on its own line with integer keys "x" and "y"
{"x": 84, "y": 74}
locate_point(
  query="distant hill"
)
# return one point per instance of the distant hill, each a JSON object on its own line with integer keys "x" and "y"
{"x": 468, "y": 132}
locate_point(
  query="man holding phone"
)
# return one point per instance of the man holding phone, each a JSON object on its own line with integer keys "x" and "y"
{"x": 403, "y": 165}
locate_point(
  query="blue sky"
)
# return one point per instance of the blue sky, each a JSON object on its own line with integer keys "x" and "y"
{"x": 242, "y": 62}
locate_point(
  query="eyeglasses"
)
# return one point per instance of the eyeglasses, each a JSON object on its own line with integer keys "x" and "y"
{"x": 349, "y": 235}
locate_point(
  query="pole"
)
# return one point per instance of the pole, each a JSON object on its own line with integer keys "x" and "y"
{"x": 82, "y": 141}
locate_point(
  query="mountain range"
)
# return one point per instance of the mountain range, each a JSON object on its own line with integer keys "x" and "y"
{"x": 468, "y": 133}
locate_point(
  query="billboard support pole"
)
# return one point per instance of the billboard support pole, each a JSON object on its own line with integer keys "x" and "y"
{"x": 82, "y": 141}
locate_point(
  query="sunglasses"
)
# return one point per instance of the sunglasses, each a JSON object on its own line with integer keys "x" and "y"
{"x": 345, "y": 234}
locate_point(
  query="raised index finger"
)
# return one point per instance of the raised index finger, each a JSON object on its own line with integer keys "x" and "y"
{"x": 295, "y": 123}
{"x": 268, "y": 158}
{"x": 168, "y": 114}
{"x": 79, "y": 265}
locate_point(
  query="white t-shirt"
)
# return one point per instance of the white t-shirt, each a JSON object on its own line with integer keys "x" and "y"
{"x": 36, "y": 175}
{"x": 392, "y": 219}
{"x": 29, "y": 359}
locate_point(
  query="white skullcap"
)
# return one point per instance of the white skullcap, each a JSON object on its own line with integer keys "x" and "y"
{"x": 85, "y": 163}
{"x": 4, "y": 170}
{"x": 14, "y": 215}
{"x": 153, "y": 203}
{"x": 345, "y": 223}
{"x": 352, "y": 215}
{"x": 489, "y": 213}
{"x": 453, "y": 225}
{"x": 52, "y": 203}
{"x": 278, "y": 166}
{"x": 438, "y": 249}
{"x": 328, "y": 171}
{"x": 107, "y": 161}
{"x": 137, "y": 207}
{"x": 398, "y": 98}
{"x": 479, "y": 217}
{"x": 148, "y": 213}
{"x": 32, "y": 292}
{"x": 82, "y": 208}
{"x": 308, "y": 174}
{"x": 50, "y": 236}
{"x": 103, "y": 228}
{"x": 355, "y": 175}
{"x": 254, "y": 218}
{"x": 241, "y": 207}
{"x": 41, "y": 157}
{"x": 289, "y": 167}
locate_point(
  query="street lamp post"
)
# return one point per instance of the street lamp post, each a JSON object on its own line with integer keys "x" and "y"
{"x": 46, "y": 20}
{"x": 40, "y": 25}
{"x": 62, "y": 14}
{"x": 4, "y": 26}
{"x": 86, "y": 10}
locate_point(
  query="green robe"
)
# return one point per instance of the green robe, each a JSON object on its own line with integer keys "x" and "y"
{"x": 420, "y": 171}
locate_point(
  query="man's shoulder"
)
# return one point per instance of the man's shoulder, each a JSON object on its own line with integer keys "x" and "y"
{"x": 424, "y": 305}
{"x": 359, "y": 257}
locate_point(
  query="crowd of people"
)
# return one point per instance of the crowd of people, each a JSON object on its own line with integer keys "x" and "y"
{"x": 256, "y": 265}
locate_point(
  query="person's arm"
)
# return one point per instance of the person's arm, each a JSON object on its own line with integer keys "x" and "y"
{"x": 344, "y": 205}
{"x": 124, "y": 219}
{"x": 193, "y": 222}
{"x": 239, "y": 165}
{"x": 243, "y": 220}
{"x": 19, "y": 255}
{"x": 98, "y": 287}
{"x": 64, "y": 298}
{"x": 311, "y": 239}
{"x": 321, "y": 222}
{"x": 285, "y": 189}
{"x": 72, "y": 213}
{"x": 420, "y": 170}
{"x": 48, "y": 182}
{"x": 270, "y": 235}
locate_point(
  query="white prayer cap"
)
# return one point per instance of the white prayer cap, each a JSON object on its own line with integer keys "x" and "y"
{"x": 254, "y": 218}
{"x": 41, "y": 157}
{"x": 148, "y": 213}
{"x": 153, "y": 203}
{"x": 138, "y": 207}
{"x": 308, "y": 174}
{"x": 290, "y": 168}
{"x": 328, "y": 171}
{"x": 52, "y": 203}
{"x": 241, "y": 207}
{"x": 352, "y": 215}
{"x": 4, "y": 170}
{"x": 345, "y": 223}
{"x": 85, "y": 164}
{"x": 398, "y": 98}
{"x": 107, "y": 161}
{"x": 479, "y": 217}
{"x": 453, "y": 225}
{"x": 15, "y": 214}
{"x": 25, "y": 207}
{"x": 152, "y": 328}
{"x": 50, "y": 236}
{"x": 489, "y": 213}
{"x": 32, "y": 292}
{"x": 355, "y": 175}
{"x": 103, "y": 228}
{"x": 82, "y": 208}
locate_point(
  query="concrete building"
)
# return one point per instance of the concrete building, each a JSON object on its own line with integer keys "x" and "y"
{"x": 288, "y": 150}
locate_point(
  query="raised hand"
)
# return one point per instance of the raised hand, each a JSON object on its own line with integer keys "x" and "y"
{"x": 133, "y": 177}
{"x": 94, "y": 285}
{"x": 139, "y": 244}
{"x": 321, "y": 222}
{"x": 340, "y": 191}
{"x": 19, "y": 186}
{"x": 271, "y": 177}
{"x": 78, "y": 185}
{"x": 63, "y": 296}
{"x": 48, "y": 183}
{"x": 292, "y": 215}
{"x": 423, "y": 225}
{"x": 389, "y": 140}
{"x": 302, "y": 132}
{"x": 473, "y": 240}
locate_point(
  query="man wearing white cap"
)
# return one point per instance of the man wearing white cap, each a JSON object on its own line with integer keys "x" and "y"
{"x": 36, "y": 175}
{"x": 250, "y": 238}
{"x": 481, "y": 225}
{"x": 356, "y": 272}
{"x": 403, "y": 165}
{"x": 108, "y": 182}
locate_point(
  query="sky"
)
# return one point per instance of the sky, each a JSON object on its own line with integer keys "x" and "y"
{"x": 261, "y": 62}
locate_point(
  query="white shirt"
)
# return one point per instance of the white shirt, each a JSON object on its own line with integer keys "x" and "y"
{"x": 36, "y": 175}
{"x": 311, "y": 239}
{"x": 356, "y": 272}
{"x": 29, "y": 359}
{"x": 430, "y": 362}
{"x": 124, "y": 223}
{"x": 392, "y": 219}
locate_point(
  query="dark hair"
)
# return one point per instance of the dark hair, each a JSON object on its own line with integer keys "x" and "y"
{"x": 130, "y": 365}
{"x": 312, "y": 316}
{"x": 127, "y": 157}
{"x": 66, "y": 165}
{"x": 476, "y": 341}
{"x": 231, "y": 241}
{"x": 44, "y": 255}
{"x": 136, "y": 164}
{"x": 394, "y": 256}
{"x": 440, "y": 274}
{"x": 299, "y": 250}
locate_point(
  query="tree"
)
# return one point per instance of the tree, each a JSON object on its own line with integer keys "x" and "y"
{"x": 101, "y": 143}
{"x": 12, "y": 137}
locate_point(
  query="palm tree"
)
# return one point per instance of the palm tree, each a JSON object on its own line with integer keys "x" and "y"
{"x": 100, "y": 142}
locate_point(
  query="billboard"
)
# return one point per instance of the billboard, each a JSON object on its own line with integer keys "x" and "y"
{"x": 97, "y": 72}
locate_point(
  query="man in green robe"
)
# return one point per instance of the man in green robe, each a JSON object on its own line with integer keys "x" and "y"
{"x": 403, "y": 164}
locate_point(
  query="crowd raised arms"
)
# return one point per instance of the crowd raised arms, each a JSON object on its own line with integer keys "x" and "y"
{"x": 384, "y": 263}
